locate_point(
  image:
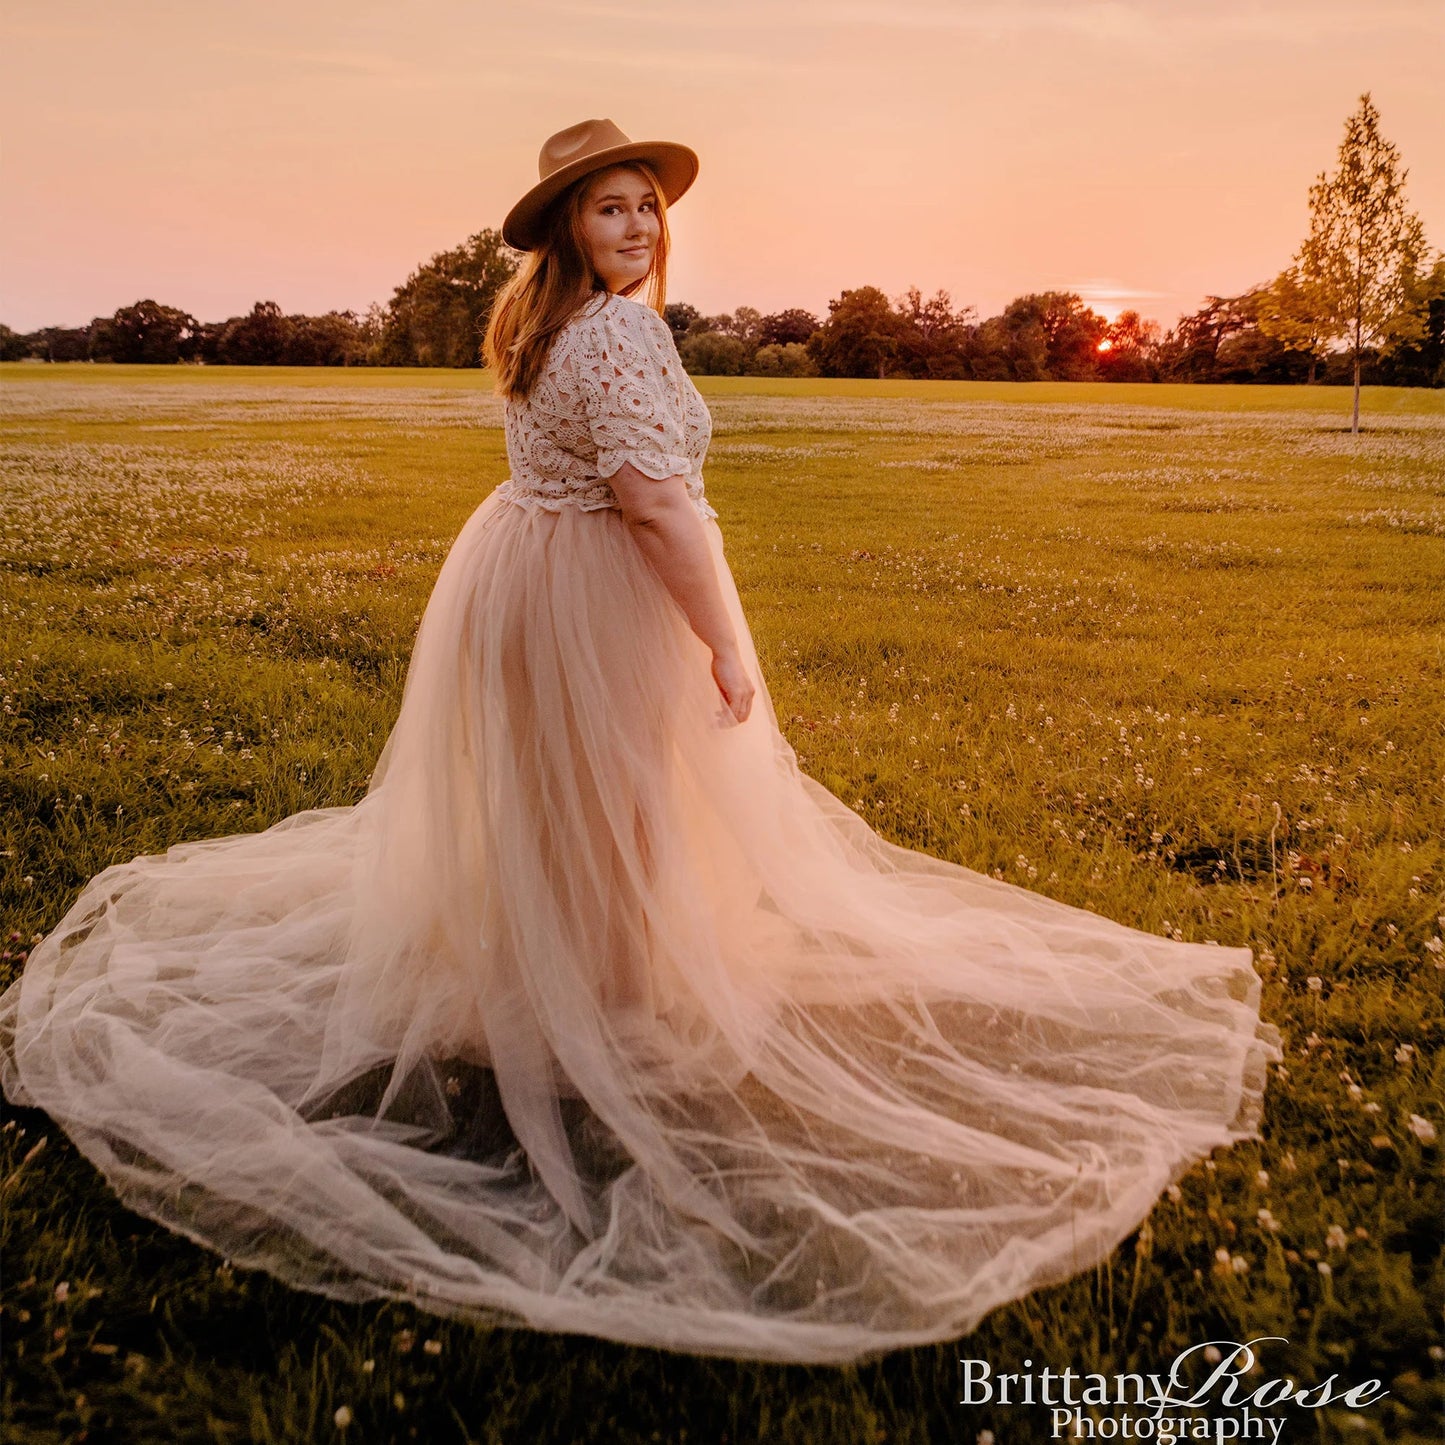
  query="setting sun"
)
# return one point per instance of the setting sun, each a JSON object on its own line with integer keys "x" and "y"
{"x": 1106, "y": 345}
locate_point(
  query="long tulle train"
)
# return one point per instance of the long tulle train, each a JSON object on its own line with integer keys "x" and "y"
{"x": 597, "y": 1014}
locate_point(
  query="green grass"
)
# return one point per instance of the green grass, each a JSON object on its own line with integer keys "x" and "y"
{"x": 1170, "y": 653}
{"x": 1377, "y": 400}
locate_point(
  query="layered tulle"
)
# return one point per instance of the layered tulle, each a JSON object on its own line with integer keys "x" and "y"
{"x": 598, "y": 1014}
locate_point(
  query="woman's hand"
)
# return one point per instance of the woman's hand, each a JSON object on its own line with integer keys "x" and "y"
{"x": 734, "y": 683}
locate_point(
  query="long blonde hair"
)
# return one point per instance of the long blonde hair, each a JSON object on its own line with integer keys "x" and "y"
{"x": 553, "y": 282}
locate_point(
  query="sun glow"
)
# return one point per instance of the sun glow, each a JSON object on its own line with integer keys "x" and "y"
{"x": 1106, "y": 345}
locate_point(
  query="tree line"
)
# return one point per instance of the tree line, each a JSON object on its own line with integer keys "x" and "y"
{"x": 1363, "y": 300}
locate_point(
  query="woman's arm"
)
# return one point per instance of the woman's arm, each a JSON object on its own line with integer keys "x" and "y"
{"x": 670, "y": 533}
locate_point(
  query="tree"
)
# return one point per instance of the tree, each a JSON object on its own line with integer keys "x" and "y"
{"x": 937, "y": 337}
{"x": 1190, "y": 350}
{"x": 782, "y": 328}
{"x": 371, "y": 328}
{"x": 862, "y": 336}
{"x": 1250, "y": 353}
{"x": 63, "y": 343}
{"x": 261, "y": 338}
{"x": 1024, "y": 342}
{"x": 741, "y": 326}
{"x": 1290, "y": 312}
{"x": 990, "y": 353}
{"x": 787, "y": 359}
{"x": 1126, "y": 352}
{"x": 713, "y": 353}
{"x": 1050, "y": 335}
{"x": 1421, "y": 361}
{"x": 744, "y": 324}
{"x": 336, "y": 339}
{"x": 145, "y": 332}
{"x": 13, "y": 346}
{"x": 1072, "y": 333}
{"x": 679, "y": 317}
{"x": 438, "y": 317}
{"x": 1364, "y": 247}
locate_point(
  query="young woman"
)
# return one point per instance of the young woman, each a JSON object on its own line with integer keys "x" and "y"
{"x": 596, "y": 1013}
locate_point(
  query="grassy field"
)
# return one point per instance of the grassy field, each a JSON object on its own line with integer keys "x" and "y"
{"x": 1175, "y": 654}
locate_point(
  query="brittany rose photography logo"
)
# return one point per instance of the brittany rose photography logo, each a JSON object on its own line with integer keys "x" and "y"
{"x": 1203, "y": 1396}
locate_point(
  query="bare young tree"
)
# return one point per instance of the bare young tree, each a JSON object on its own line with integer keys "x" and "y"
{"x": 1358, "y": 265}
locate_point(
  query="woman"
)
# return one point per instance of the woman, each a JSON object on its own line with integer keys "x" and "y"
{"x": 596, "y": 1013}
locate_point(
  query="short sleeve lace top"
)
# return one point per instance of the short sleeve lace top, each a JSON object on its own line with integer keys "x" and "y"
{"x": 613, "y": 391}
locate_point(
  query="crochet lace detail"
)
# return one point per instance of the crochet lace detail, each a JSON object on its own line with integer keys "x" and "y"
{"x": 613, "y": 391}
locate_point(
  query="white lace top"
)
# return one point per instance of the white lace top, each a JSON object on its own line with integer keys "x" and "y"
{"x": 613, "y": 391}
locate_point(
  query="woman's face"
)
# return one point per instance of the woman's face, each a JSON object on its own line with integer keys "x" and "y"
{"x": 619, "y": 222}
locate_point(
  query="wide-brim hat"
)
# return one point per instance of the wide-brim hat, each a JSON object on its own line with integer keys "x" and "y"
{"x": 590, "y": 146}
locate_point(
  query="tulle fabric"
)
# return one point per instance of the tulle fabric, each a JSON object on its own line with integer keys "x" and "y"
{"x": 597, "y": 1014}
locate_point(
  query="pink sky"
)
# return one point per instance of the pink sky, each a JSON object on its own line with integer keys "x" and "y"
{"x": 1142, "y": 152}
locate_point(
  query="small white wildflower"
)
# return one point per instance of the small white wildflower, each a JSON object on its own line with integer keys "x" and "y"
{"x": 1261, "y": 1177}
{"x": 1324, "y": 1268}
{"x": 1336, "y": 1238}
{"x": 1422, "y": 1129}
{"x": 343, "y": 1417}
{"x": 1314, "y": 983}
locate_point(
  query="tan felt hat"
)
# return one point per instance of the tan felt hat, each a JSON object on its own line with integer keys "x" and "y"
{"x": 589, "y": 146}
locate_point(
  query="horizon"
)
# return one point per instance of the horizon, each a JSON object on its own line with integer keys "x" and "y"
{"x": 1141, "y": 155}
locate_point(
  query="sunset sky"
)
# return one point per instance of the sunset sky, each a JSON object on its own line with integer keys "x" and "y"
{"x": 1141, "y": 152}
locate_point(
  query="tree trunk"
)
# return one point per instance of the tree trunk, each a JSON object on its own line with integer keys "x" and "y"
{"x": 1355, "y": 425}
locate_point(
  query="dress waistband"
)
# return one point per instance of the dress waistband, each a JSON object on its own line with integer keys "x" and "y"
{"x": 523, "y": 496}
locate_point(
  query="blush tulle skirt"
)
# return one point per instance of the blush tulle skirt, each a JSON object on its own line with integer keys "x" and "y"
{"x": 597, "y": 1014}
